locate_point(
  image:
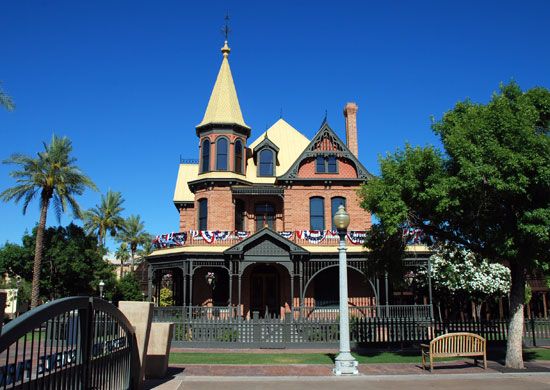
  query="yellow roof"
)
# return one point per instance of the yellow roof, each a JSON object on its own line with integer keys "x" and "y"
{"x": 187, "y": 249}
{"x": 223, "y": 106}
{"x": 291, "y": 144}
{"x": 186, "y": 173}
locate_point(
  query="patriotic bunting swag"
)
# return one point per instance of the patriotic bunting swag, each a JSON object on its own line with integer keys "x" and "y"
{"x": 170, "y": 240}
{"x": 357, "y": 237}
{"x": 287, "y": 235}
{"x": 412, "y": 236}
{"x": 313, "y": 236}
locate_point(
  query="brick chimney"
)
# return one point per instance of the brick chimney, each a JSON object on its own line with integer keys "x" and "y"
{"x": 350, "y": 113}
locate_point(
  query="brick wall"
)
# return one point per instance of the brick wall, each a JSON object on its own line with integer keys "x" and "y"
{"x": 221, "y": 211}
{"x": 188, "y": 218}
{"x": 296, "y": 215}
{"x": 345, "y": 170}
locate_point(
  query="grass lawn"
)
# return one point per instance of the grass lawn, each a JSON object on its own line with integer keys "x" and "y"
{"x": 410, "y": 356}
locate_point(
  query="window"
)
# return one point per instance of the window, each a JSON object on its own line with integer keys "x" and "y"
{"x": 317, "y": 213}
{"x": 203, "y": 214}
{"x": 331, "y": 164}
{"x": 266, "y": 162}
{"x": 320, "y": 164}
{"x": 265, "y": 216}
{"x": 239, "y": 215}
{"x": 239, "y": 156}
{"x": 326, "y": 164}
{"x": 221, "y": 154}
{"x": 205, "y": 167}
{"x": 334, "y": 204}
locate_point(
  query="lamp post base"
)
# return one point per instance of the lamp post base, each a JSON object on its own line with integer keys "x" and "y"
{"x": 345, "y": 364}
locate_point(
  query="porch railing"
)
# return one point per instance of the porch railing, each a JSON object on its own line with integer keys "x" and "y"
{"x": 326, "y": 312}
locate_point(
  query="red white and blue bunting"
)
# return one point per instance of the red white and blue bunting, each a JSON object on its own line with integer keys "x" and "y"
{"x": 211, "y": 236}
{"x": 170, "y": 240}
{"x": 413, "y": 236}
{"x": 357, "y": 237}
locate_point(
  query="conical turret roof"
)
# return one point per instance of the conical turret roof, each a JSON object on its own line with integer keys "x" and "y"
{"x": 223, "y": 106}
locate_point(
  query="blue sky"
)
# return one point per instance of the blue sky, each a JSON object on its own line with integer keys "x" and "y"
{"x": 128, "y": 81}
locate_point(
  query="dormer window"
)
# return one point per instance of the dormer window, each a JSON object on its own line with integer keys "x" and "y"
{"x": 221, "y": 154}
{"x": 326, "y": 164}
{"x": 266, "y": 163}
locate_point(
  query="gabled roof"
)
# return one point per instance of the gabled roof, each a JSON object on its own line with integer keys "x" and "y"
{"x": 312, "y": 151}
{"x": 261, "y": 235}
{"x": 223, "y": 106}
{"x": 290, "y": 142}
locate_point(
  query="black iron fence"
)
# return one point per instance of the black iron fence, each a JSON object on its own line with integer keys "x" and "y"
{"x": 70, "y": 343}
{"x": 322, "y": 331}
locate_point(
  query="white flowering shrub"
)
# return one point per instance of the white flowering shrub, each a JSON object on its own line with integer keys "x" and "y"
{"x": 462, "y": 273}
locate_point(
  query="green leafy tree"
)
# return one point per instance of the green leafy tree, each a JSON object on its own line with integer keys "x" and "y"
{"x": 53, "y": 177}
{"x": 122, "y": 255}
{"x": 489, "y": 193}
{"x": 127, "y": 289}
{"x": 72, "y": 262}
{"x": 134, "y": 235}
{"x": 5, "y": 100}
{"x": 166, "y": 297}
{"x": 106, "y": 217}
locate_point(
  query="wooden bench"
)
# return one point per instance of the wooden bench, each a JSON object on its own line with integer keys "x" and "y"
{"x": 454, "y": 345}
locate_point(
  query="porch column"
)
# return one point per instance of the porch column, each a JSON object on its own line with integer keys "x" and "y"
{"x": 230, "y": 287}
{"x": 184, "y": 286}
{"x": 149, "y": 283}
{"x": 301, "y": 281}
{"x": 240, "y": 309}
{"x": 292, "y": 294}
{"x": 191, "y": 272}
{"x": 386, "y": 289}
{"x": 544, "y": 304}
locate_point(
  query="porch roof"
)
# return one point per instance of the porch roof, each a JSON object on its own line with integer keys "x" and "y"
{"x": 293, "y": 248}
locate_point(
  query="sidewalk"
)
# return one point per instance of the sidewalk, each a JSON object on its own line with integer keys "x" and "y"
{"x": 535, "y": 376}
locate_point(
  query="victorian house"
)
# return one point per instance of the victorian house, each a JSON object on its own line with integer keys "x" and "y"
{"x": 255, "y": 216}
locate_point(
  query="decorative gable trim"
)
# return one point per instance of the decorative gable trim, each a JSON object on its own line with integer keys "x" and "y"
{"x": 325, "y": 143}
{"x": 261, "y": 236}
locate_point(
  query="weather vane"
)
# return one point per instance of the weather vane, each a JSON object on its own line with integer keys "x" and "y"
{"x": 226, "y": 30}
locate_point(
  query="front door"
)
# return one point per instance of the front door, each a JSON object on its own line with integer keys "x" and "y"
{"x": 264, "y": 291}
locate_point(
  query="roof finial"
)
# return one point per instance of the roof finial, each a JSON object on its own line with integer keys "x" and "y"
{"x": 226, "y": 30}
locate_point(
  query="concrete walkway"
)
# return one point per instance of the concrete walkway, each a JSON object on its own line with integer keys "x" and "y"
{"x": 449, "y": 375}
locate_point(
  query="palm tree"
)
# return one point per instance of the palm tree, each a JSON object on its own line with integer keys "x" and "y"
{"x": 122, "y": 255}
{"x": 54, "y": 176}
{"x": 134, "y": 235}
{"x": 5, "y": 100}
{"x": 105, "y": 217}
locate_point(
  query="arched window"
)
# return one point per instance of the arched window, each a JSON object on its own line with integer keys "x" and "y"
{"x": 266, "y": 163}
{"x": 203, "y": 214}
{"x": 334, "y": 204}
{"x": 221, "y": 154}
{"x": 205, "y": 151}
{"x": 317, "y": 213}
{"x": 238, "y": 156}
{"x": 265, "y": 216}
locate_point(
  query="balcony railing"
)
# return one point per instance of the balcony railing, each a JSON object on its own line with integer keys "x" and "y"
{"x": 229, "y": 238}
